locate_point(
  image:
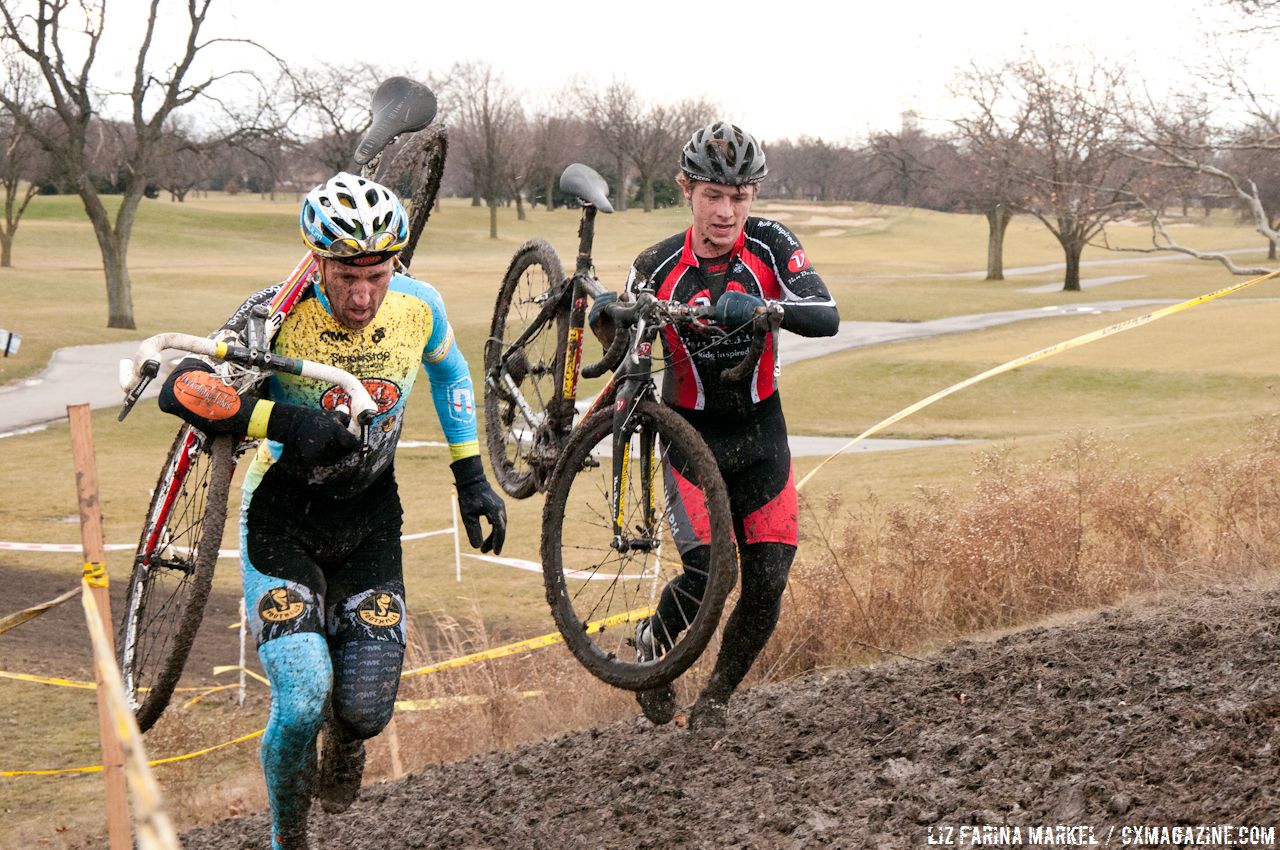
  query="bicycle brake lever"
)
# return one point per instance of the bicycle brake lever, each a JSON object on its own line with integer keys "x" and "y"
{"x": 149, "y": 370}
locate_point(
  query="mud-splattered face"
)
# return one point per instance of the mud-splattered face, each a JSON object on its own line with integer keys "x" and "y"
{"x": 355, "y": 292}
{"x": 719, "y": 212}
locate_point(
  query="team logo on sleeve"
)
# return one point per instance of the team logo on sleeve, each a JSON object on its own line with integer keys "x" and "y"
{"x": 462, "y": 402}
{"x": 799, "y": 261}
{"x": 384, "y": 394}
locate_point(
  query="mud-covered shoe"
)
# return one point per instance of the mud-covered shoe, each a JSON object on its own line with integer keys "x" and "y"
{"x": 709, "y": 713}
{"x": 658, "y": 704}
{"x": 646, "y": 643}
{"x": 290, "y": 841}
{"x": 341, "y": 769}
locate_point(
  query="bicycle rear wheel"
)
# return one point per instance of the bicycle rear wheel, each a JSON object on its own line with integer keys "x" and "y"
{"x": 599, "y": 589}
{"x": 522, "y": 378}
{"x": 173, "y": 569}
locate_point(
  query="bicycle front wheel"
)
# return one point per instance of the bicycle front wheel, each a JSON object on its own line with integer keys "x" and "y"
{"x": 600, "y": 587}
{"x": 173, "y": 569}
{"x": 523, "y": 364}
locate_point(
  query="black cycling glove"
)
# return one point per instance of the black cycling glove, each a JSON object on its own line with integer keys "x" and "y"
{"x": 600, "y": 322}
{"x": 316, "y": 437}
{"x": 735, "y": 309}
{"x": 476, "y": 499}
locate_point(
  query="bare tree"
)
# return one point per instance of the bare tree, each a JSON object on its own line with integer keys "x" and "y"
{"x": 1051, "y": 133}
{"x": 333, "y": 99}
{"x": 653, "y": 142}
{"x": 612, "y": 115}
{"x": 21, "y": 161}
{"x": 61, "y": 41}
{"x": 486, "y": 115}
{"x": 1227, "y": 138}
{"x": 816, "y": 170}
{"x": 556, "y": 140}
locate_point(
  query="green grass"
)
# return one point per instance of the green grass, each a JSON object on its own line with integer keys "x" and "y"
{"x": 1182, "y": 388}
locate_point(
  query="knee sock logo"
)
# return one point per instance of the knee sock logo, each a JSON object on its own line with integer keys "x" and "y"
{"x": 280, "y": 604}
{"x": 380, "y": 609}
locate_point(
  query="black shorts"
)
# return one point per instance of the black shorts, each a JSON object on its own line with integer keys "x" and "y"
{"x": 334, "y": 547}
{"x": 755, "y": 461}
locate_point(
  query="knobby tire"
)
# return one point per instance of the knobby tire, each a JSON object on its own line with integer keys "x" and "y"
{"x": 535, "y": 272}
{"x": 577, "y": 529}
{"x": 152, "y": 672}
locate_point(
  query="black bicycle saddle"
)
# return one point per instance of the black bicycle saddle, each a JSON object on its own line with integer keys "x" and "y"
{"x": 583, "y": 183}
{"x": 399, "y": 106}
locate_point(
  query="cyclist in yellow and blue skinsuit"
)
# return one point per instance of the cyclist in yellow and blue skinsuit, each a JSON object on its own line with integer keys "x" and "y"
{"x": 321, "y": 519}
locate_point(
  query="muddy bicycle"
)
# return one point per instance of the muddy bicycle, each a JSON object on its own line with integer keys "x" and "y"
{"x": 630, "y": 486}
{"x": 173, "y": 566}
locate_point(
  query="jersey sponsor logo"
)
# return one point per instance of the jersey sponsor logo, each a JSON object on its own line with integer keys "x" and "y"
{"x": 384, "y": 394}
{"x": 335, "y": 336}
{"x": 799, "y": 261}
{"x": 378, "y": 335}
{"x": 380, "y": 609}
{"x": 281, "y": 604}
{"x": 205, "y": 395}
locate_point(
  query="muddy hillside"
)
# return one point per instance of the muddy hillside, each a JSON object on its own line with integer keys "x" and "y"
{"x": 1149, "y": 716}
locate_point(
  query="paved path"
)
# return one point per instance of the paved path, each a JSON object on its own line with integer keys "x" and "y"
{"x": 863, "y": 334}
{"x": 87, "y": 373}
{"x": 76, "y": 375}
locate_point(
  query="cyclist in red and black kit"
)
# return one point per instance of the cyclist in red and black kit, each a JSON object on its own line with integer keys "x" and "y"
{"x": 738, "y": 263}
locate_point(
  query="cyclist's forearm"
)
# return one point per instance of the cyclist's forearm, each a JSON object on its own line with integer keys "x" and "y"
{"x": 195, "y": 394}
{"x": 810, "y": 318}
{"x": 453, "y": 395}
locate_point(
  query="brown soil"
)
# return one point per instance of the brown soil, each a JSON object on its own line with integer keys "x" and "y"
{"x": 1164, "y": 714}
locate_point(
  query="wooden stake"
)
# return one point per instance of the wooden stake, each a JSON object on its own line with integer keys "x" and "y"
{"x": 118, "y": 830}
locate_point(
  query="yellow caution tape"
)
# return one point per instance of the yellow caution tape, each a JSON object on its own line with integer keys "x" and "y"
{"x": 17, "y": 619}
{"x": 446, "y": 702}
{"x": 97, "y": 768}
{"x": 72, "y": 683}
{"x": 404, "y": 705}
{"x": 227, "y": 668}
{"x": 95, "y": 574}
{"x": 1043, "y": 353}
{"x": 209, "y": 691}
{"x": 528, "y": 645}
{"x": 44, "y": 680}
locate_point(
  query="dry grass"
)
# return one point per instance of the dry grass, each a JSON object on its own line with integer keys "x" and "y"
{"x": 1085, "y": 529}
{"x": 1028, "y": 540}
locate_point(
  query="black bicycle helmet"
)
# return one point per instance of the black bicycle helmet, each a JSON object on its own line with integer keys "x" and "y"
{"x": 723, "y": 153}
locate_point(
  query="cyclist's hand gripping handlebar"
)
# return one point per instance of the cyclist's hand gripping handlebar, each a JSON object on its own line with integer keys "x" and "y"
{"x": 137, "y": 372}
{"x": 765, "y": 322}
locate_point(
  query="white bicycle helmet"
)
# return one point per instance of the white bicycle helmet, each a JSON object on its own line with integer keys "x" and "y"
{"x": 723, "y": 153}
{"x": 353, "y": 220}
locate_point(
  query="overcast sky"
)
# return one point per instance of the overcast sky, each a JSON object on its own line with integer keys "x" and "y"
{"x": 782, "y": 69}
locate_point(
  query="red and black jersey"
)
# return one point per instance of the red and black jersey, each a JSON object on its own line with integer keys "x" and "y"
{"x": 768, "y": 261}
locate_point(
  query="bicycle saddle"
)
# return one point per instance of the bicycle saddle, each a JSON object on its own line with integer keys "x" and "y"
{"x": 399, "y": 106}
{"x": 583, "y": 183}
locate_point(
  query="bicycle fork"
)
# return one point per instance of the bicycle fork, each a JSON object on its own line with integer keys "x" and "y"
{"x": 634, "y": 385}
